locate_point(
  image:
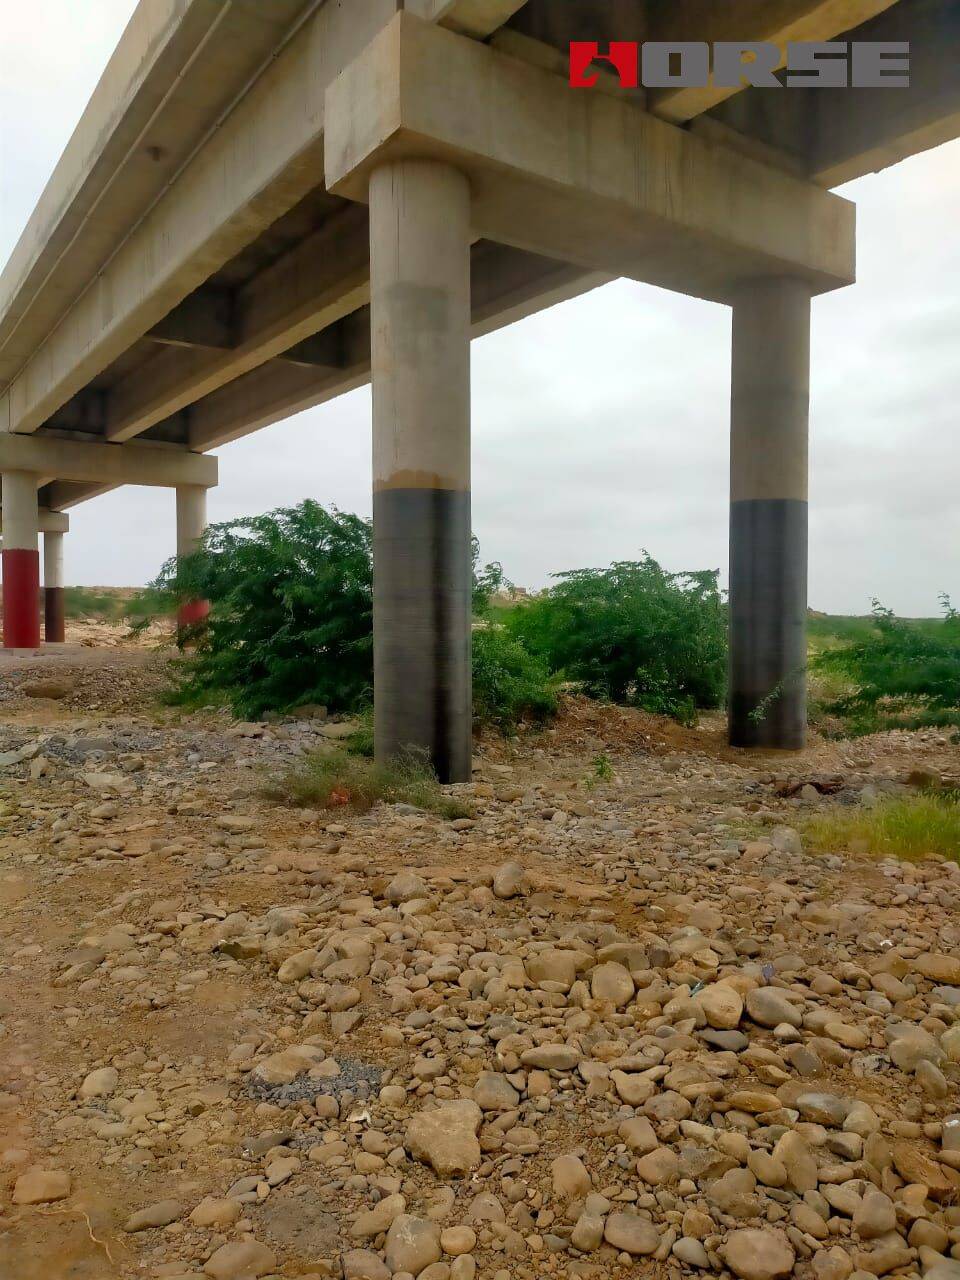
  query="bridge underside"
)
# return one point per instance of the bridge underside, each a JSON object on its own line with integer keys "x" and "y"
{"x": 228, "y": 239}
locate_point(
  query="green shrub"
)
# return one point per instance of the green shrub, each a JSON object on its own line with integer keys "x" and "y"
{"x": 601, "y": 770}
{"x": 633, "y": 634}
{"x": 509, "y": 683}
{"x": 338, "y": 779}
{"x": 901, "y": 675}
{"x": 291, "y": 622}
{"x": 488, "y": 579}
{"x": 290, "y": 611}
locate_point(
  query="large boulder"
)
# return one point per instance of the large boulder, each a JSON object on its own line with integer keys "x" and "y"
{"x": 445, "y": 1138}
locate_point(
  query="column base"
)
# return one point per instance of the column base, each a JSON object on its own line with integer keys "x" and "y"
{"x": 422, "y": 596}
{"x": 765, "y": 730}
{"x": 768, "y": 623}
{"x": 54, "y": 616}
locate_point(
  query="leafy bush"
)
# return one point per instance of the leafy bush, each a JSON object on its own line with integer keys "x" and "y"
{"x": 291, "y": 622}
{"x": 488, "y": 579}
{"x": 338, "y": 779}
{"x": 633, "y": 634}
{"x": 899, "y": 676}
{"x": 290, "y": 611}
{"x": 509, "y": 683}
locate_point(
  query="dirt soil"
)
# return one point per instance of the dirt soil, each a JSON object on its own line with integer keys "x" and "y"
{"x": 231, "y": 1014}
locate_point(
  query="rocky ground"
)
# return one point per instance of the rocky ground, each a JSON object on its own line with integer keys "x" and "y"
{"x": 611, "y": 1026}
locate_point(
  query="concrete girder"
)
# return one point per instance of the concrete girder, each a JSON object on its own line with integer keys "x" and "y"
{"x": 269, "y": 394}
{"x": 512, "y": 287}
{"x": 264, "y": 157}
{"x": 581, "y": 177}
{"x": 323, "y": 279}
{"x": 205, "y": 318}
{"x": 507, "y": 286}
{"x": 96, "y": 463}
{"x": 837, "y": 135}
{"x": 174, "y": 73}
{"x": 87, "y": 412}
{"x": 63, "y": 494}
{"x": 323, "y": 350}
{"x": 775, "y": 21}
{"x": 477, "y": 18}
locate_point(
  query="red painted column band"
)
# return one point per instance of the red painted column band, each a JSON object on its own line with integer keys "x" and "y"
{"x": 194, "y": 611}
{"x": 21, "y": 598}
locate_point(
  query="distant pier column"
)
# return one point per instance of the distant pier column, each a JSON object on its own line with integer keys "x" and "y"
{"x": 191, "y": 523}
{"x": 420, "y": 334}
{"x": 21, "y": 561}
{"x": 770, "y": 393}
{"x": 54, "y": 614}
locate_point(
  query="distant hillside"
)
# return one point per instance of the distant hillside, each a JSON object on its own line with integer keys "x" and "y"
{"x": 104, "y": 604}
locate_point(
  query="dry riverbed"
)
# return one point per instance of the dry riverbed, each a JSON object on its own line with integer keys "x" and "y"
{"x": 611, "y": 1026}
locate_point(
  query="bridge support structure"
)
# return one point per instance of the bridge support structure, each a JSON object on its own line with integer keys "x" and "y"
{"x": 533, "y": 166}
{"x": 245, "y": 288}
{"x": 21, "y": 561}
{"x": 770, "y": 394}
{"x": 191, "y": 523}
{"x": 27, "y": 463}
{"x": 54, "y": 607}
{"x": 420, "y": 344}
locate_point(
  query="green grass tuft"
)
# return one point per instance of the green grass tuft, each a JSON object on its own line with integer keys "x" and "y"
{"x": 360, "y": 743}
{"x": 915, "y": 827}
{"x": 341, "y": 780}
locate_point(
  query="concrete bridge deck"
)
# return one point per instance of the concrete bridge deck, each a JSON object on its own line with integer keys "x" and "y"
{"x": 263, "y": 203}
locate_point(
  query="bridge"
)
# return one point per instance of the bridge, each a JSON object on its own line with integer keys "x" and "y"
{"x": 265, "y": 205}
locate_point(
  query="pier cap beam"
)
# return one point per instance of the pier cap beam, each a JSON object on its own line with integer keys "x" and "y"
{"x": 578, "y": 176}
{"x": 47, "y": 521}
{"x": 153, "y": 465}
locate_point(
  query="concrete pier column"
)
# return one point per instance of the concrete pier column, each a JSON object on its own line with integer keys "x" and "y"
{"x": 191, "y": 523}
{"x": 21, "y": 561}
{"x": 768, "y": 514}
{"x": 420, "y": 335}
{"x": 54, "y": 614}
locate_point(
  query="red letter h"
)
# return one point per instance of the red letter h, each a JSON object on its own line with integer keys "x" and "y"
{"x": 623, "y": 56}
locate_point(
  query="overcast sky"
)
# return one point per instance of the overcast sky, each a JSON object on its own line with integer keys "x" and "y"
{"x": 600, "y": 426}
